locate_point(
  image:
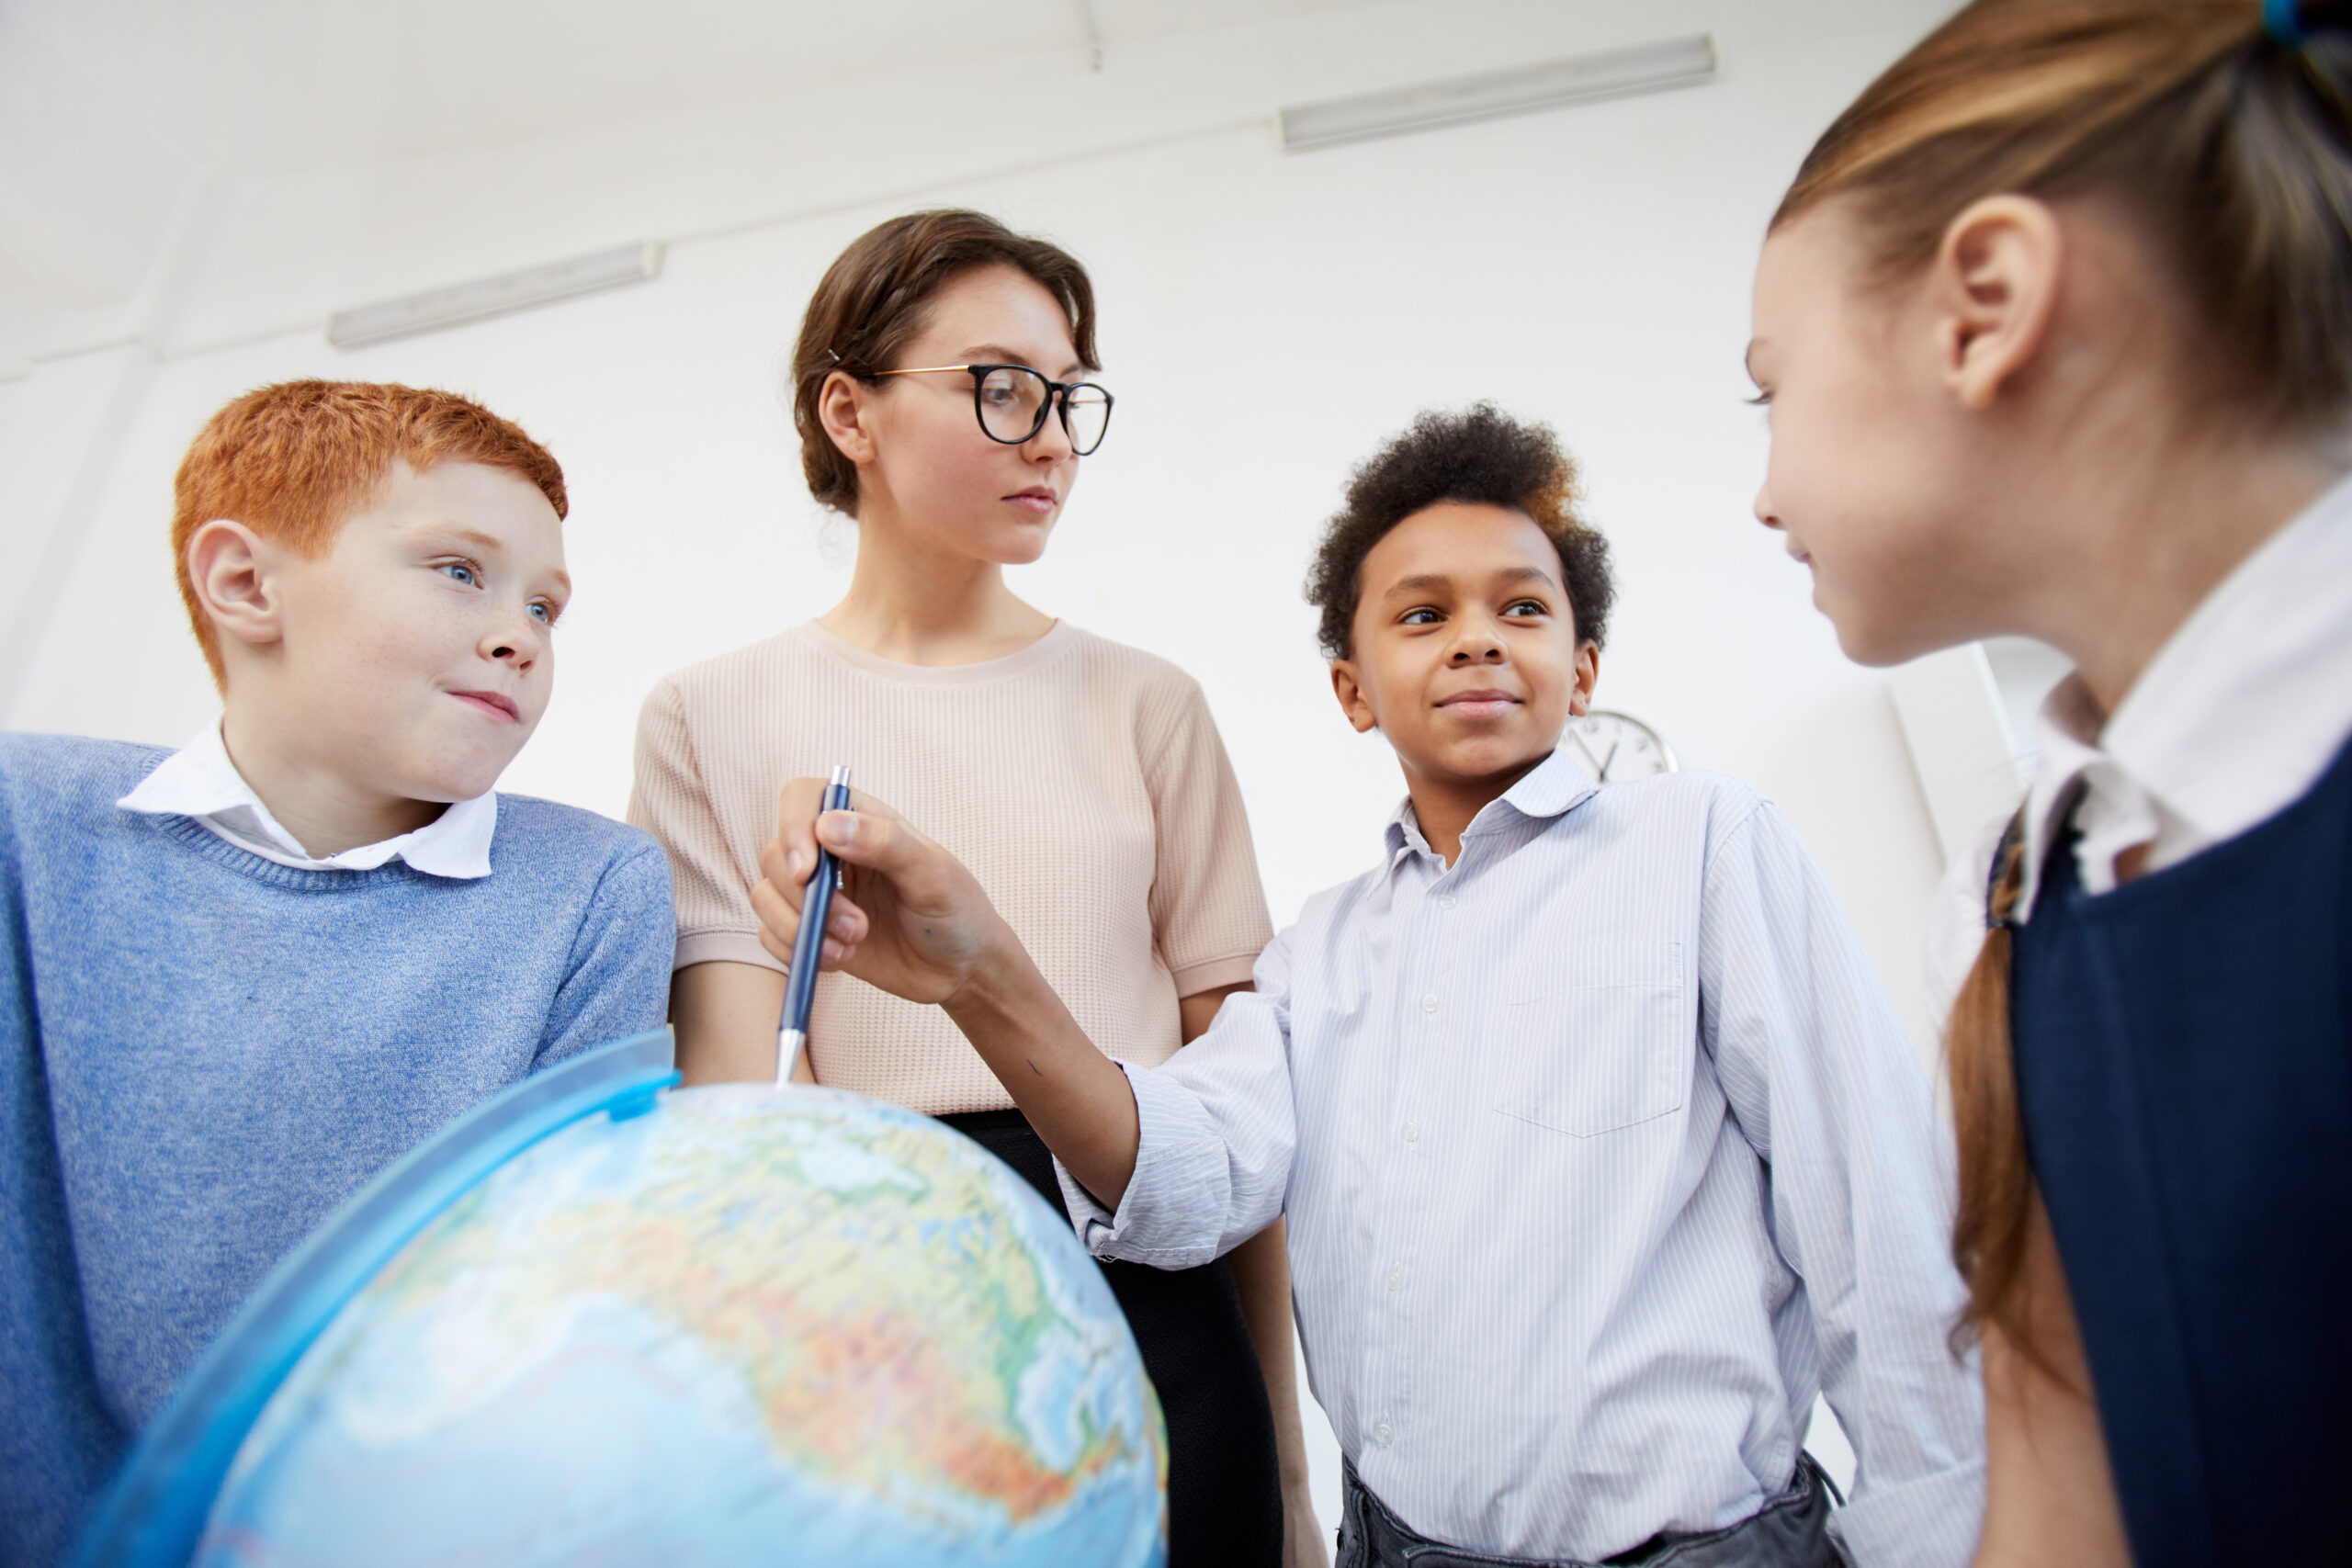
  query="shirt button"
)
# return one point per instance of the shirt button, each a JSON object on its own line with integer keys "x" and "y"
{"x": 1447, "y": 902}
{"x": 1396, "y": 1278}
{"x": 1428, "y": 1004}
{"x": 1412, "y": 1132}
{"x": 1382, "y": 1432}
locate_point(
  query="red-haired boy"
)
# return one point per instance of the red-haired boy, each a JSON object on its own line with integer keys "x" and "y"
{"x": 239, "y": 980}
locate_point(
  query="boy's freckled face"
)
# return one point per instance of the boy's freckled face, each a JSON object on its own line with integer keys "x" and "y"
{"x": 1465, "y": 651}
{"x": 416, "y": 652}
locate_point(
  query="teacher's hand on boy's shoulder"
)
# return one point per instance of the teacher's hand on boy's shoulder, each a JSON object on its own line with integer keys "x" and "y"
{"x": 907, "y": 919}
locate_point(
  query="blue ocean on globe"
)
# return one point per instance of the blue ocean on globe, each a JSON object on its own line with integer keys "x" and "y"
{"x": 602, "y": 1320}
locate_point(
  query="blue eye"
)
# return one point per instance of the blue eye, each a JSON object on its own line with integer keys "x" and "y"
{"x": 459, "y": 572}
{"x": 542, "y": 612}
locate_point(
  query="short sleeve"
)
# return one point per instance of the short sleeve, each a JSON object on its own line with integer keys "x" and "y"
{"x": 668, "y": 799}
{"x": 1208, "y": 908}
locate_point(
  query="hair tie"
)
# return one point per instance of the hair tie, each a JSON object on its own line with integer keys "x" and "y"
{"x": 2282, "y": 19}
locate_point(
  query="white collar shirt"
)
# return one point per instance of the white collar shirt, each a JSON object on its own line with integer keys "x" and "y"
{"x": 1602, "y": 1150}
{"x": 199, "y": 781}
{"x": 2233, "y": 720}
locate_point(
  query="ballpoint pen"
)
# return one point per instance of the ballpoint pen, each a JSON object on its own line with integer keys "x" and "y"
{"x": 808, "y": 947}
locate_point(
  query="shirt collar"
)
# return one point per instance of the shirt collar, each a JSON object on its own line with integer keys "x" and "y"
{"x": 1549, "y": 789}
{"x": 2236, "y": 716}
{"x": 200, "y": 781}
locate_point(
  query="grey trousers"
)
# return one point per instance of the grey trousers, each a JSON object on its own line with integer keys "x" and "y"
{"x": 1791, "y": 1530}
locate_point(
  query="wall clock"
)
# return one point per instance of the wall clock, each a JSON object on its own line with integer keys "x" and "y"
{"x": 1617, "y": 746}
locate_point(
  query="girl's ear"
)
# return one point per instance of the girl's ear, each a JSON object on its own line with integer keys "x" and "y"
{"x": 230, "y": 567}
{"x": 1345, "y": 686}
{"x": 1994, "y": 290}
{"x": 840, "y": 407}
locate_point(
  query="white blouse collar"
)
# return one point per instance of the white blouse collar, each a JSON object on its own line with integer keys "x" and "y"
{"x": 2236, "y": 719}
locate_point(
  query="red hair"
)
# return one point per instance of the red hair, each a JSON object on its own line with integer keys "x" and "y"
{"x": 292, "y": 461}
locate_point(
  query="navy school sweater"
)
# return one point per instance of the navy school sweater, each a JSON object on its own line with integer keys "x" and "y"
{"x": 203, "y": 1053}
{"x": 2184, "y": 1060}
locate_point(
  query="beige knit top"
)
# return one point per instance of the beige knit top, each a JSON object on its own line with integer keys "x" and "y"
{"x": 1083, "y": 782}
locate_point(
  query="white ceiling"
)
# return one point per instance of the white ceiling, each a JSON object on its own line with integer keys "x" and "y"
{"x": 242, "y": 86}
{"x": 320, "y": 152}
{"x": 114, "y": 115}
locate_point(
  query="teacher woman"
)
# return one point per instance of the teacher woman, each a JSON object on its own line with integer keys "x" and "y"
{"x": 943, "y": 392}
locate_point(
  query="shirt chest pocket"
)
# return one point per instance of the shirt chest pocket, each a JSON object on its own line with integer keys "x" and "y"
{"x": 1602, "y": 1043}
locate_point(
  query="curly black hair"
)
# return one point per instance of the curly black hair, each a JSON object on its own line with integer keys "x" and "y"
{"x": 1480, "y": 455}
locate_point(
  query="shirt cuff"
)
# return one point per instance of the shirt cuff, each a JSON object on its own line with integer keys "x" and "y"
{"x": 722, "y": 947}
{"x": 1930, "y": 1520}
{"x": 1171, "y": 1215}
{"x": 1192, "y": 980}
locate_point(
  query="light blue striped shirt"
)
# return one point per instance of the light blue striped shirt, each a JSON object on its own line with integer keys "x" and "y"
{"x": 1603, "y": 1152}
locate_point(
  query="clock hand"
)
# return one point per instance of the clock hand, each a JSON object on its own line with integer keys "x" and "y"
{"x": 1609, "y": 758}
{"x": 1597, "y": 768}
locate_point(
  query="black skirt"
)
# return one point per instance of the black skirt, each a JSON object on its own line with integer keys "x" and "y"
{"x": 1224, "y": 1502}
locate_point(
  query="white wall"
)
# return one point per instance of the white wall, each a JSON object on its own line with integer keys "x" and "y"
{"x": 1266, "y": 319}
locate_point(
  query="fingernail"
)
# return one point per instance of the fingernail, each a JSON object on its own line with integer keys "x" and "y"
{"x": 837, "y": 829}
{"x": 793, "y": 861}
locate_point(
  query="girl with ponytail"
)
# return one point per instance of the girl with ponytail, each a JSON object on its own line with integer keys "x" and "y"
{"x": 2055, "y": 328}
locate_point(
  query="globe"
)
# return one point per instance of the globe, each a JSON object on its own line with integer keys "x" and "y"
{"x": 730, "y": 1324}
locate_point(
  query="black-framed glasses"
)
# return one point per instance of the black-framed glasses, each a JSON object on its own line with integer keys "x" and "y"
{"x": 1013, "y": 401}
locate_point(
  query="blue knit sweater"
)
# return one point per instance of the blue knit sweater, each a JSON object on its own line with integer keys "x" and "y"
{"x": 202, "y": 1053}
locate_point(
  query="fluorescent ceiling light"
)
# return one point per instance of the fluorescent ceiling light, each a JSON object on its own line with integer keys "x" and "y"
{"x": 1647, "y": 68}
{"x": 484, "y": 297}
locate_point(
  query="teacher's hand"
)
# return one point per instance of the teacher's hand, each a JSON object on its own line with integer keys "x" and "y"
{"x": 908, "y": 917}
